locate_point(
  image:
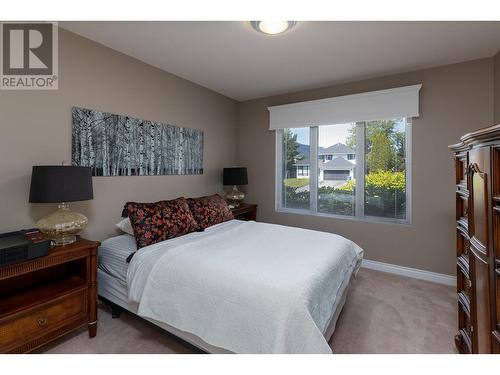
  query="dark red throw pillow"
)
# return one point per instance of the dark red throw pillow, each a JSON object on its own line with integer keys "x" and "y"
{"x": 210, "y": 210}
{"x": 160, "y": 221}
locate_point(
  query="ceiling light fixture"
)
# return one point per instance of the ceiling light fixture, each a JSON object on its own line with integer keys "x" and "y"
{"x": 272, "y": 27}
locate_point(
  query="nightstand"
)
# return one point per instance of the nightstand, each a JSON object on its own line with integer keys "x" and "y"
{"x": 246, "y": 211}
{"x": 45, "y": 298}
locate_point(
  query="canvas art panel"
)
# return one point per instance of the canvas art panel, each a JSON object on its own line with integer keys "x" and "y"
{"x": 116, "y": 145}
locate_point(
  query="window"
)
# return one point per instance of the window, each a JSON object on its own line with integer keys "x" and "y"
{"x": 364, "y": 173}
{"x": 295, "y": 149}
{"x": 385, "y": 169}
{"x": 357, "y": 169}
{"x": 335, "y": 188}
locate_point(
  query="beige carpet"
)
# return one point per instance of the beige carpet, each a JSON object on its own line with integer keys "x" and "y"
{"x": 383, "y": 314}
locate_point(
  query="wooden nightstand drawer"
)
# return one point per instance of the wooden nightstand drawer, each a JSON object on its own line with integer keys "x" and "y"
{"x": 43, "y": 319}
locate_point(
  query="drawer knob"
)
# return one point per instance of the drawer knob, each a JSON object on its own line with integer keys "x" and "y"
{"x": 42, "y": 321}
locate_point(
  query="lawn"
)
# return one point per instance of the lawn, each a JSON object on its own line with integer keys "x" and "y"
{"x": 296, "y": 182}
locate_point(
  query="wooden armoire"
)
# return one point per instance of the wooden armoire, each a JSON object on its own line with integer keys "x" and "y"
{"x": 477, "y": 163}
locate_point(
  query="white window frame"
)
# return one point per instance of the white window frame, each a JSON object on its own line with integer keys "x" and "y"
{"x": 360, "y": 176}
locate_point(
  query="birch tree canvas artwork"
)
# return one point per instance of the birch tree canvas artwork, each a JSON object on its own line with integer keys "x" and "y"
{"x": 115, "y": 145}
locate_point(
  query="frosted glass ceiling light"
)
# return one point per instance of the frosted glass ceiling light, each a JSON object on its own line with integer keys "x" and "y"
{"x": 272, "y": 27}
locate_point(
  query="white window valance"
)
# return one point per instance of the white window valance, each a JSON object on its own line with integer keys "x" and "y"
{"x": 374, "y": 105}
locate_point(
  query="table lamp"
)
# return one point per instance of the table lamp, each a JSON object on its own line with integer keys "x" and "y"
{"x": 61, "y": 184}
{"x": 235, "y": 176}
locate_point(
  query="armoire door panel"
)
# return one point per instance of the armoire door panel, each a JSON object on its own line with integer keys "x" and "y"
{"x": 480, "y": 304}
{"x": 478, "y": 179}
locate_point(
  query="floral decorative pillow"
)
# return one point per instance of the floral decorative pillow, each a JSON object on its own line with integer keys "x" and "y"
{"x": 178, "y": 218}
{"x": 210, "y": 210}
{"x": 160, "y": 221}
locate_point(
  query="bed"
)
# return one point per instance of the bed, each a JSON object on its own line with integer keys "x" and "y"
{"x": 237, "y": 287}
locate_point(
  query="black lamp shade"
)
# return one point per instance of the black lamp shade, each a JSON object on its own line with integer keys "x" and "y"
{"x": 235, "y": 176}
{"x": 60, "y": 183}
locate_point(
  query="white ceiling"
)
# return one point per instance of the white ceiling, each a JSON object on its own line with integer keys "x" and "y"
{"x": 234, "y": 60}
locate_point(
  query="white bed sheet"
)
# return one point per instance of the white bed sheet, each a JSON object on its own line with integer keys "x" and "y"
{"x": 113, "y": 254}
{"x": 247, "y": 287}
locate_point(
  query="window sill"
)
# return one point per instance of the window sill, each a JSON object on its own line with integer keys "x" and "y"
{"x": 369, "y": 219}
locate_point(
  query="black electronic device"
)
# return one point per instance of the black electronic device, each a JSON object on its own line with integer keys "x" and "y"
{"x": 22, "y": 245}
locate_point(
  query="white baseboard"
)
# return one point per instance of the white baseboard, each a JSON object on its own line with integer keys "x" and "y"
{"x": 410, "y": 272}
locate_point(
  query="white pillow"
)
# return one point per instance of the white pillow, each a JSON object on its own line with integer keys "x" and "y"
{"x": 125, "y": 226}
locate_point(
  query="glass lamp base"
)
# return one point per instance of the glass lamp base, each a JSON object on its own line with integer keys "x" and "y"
{"x": 65, "y": 240}
{"x": 63, "y": 225}
{"x": 235, "y": 197}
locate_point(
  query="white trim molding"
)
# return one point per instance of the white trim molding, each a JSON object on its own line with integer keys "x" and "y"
{"x": 375, "y": 105}
{"x": 410, "y": 272}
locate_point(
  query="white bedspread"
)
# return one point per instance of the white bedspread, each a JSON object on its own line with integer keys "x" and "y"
{"x": 247, "y": 287}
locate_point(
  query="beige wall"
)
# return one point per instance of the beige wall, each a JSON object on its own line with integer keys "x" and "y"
{"x": 36, "y": 129}
{"x": 454, "y": 99}
{"x": 496, "y": 62}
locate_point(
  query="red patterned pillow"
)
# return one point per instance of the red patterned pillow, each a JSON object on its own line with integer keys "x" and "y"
{"x": 210, "y": 210}
{"x": 160, "y": 221}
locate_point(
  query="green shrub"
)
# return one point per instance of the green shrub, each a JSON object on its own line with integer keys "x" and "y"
{"x": 385, "y": 196}
{"x": 348, "y": 187}
{"x": 294, "y": 199}
{"x": 386, "y": 180}
{"x": 378, "y": 181}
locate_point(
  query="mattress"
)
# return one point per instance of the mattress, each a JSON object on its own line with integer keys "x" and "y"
{"x": 113, "y": 254}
